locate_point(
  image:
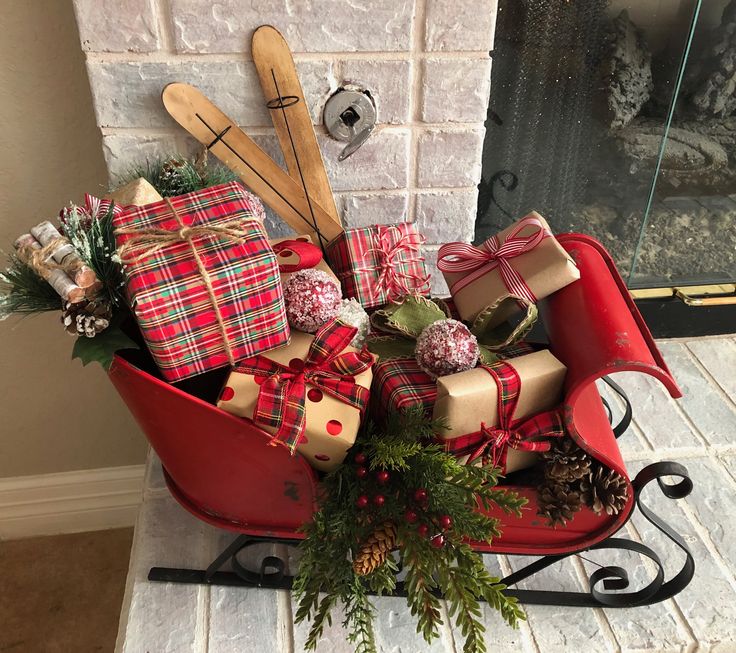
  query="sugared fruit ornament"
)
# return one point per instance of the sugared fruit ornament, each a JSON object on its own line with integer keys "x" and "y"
{"x": 352, "y": 313}
{"x": 382, "y": 477}
{"x": 438, "y": 541}
{"x": 421, "y": 495}
{"x": 362, "y": 501}
{"x": 446, "y": 347}
{"x": 312, "y": 299}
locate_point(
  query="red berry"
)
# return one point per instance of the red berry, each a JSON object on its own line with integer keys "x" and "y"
{"x": 379, "y": 500}
{"x": 423, "y": 529}
{"x": 383, "y": 476}
{"x": 361, "y": 472}
{"x": 362, "y": 501}
{"x": 410, "y": 516}
{"x": 438, "y": 541}
{"x": 360, "y": 458}
{"x": 446, "y": 521}
{"x": 421, "y": 495}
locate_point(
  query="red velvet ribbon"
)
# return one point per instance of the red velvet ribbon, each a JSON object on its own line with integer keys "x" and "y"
{"x": 282, "y": 392}
{"x": 307, "y": 253}
{"x": 475, "y": 262}
{"x": 395, "y": 251}
{"x": 491, "y": 444}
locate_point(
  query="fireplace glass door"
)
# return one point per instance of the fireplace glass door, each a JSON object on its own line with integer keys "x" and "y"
{"x": 618, "y": 120}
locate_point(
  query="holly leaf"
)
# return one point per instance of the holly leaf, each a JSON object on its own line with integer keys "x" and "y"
{"x": 102, "y": 347}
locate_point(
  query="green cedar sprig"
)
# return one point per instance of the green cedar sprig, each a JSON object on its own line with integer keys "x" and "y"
{"x": 176, "y": 175}
{"x": 326, "y": 577}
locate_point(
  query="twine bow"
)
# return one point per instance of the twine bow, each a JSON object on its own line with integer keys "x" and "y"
{"x": 474, "y": 262}
{"x": 491, "y": 444}
{"x": 147, "y": 241}
{"x": 308, "y": 254}
{"x": 395, "y": 253}
{"x": 282, "y": 391}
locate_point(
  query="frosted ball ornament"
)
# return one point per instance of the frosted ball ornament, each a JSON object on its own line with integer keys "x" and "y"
{"x": 446, "y": 347}
{"x": 312, "y": 299}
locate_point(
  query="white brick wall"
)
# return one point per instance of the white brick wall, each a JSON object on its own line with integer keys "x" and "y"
{"x": 425, "y": 61}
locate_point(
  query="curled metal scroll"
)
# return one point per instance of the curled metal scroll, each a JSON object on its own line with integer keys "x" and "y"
{"x": 608, "y": 582}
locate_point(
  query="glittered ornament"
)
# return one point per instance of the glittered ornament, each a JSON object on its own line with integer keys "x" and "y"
{"x": 446, "y": 347}
{"x": 312, "y": 299}
{"x": 352, "y": 313}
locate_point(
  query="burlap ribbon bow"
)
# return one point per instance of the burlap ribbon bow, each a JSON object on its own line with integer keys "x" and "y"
{"x": 402, "y": 322}
{"x": 282, "y": 392}
{"x": 491, "y": 444}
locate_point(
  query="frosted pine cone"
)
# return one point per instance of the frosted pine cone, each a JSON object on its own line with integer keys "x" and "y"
{"x": 86, "y": 318}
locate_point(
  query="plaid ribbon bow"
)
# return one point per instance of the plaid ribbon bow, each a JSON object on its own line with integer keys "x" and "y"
{"x": 396, "y": 251}
{"x": 491, "y": 444}
{"x": 475, "y": 262}
{"x": 282, "y": 393}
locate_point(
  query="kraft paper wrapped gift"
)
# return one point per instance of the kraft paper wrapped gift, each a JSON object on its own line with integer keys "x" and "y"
{"x": 531, "y": 391}
{"x": 299, "y": 253}
{"x": 333, "y": 393}
{"x": 138, "y": 192}
{"x": 524, "y": 260}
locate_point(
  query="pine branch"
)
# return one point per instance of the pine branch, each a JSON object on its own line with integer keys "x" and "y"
{"x": 24, "y": 291}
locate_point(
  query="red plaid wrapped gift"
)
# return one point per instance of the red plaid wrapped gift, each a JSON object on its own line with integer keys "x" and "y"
{"x": 399, "y": 384}
{"x": 379, "y": 264}
{"x": 202, "y": 280}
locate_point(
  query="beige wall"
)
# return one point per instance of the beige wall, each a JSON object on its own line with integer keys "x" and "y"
{"x": 54, "y": 415}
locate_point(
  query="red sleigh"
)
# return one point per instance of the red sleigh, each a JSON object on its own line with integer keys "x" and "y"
{"x": 218, "y": 467}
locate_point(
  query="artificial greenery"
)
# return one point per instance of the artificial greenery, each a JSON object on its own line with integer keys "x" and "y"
{"x": 438, "y": 561}
{"x": 101, "y": 349}
{"x": 23, "y": 291}
{"x": 176, "y": 175}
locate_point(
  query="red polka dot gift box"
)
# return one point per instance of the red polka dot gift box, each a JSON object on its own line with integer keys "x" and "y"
{"x": 311, "y": 395}
{"x": 202, "y": 280}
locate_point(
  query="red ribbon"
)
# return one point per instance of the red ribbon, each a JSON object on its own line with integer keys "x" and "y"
{"x": 94, "y": 209}
{"x": 491, "y": 444}
{"x": 307, "y": 253}
{"x": 282, "y": 394}
{"x": 474, "y": 262}
{"x": 396, "y": 251}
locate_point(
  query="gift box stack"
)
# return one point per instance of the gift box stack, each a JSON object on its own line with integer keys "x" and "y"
{"x": 316, "y": 338}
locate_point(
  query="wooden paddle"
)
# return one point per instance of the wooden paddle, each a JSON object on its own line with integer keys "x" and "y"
{"x": 290, "y": 115}
{"x": 211, "y": 127}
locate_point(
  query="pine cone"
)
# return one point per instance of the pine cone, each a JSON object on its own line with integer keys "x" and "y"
{"x": 558, "y": 502}
{"x": 605, "y": 490}
{"x": 86, "y": 318}
{"x": 375, "y": 549}
{"x": 566, "y": 461}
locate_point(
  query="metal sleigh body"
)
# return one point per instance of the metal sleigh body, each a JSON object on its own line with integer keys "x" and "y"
{"x": 218, "y": 468}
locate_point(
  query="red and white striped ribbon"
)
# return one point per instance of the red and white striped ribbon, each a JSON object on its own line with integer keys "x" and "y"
{"x": 492, "y": 254}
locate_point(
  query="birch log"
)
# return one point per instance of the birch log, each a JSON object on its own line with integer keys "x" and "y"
{"x": 55, "y": 276}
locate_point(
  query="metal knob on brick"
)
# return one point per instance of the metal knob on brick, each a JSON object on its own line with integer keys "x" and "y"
{"x": 350, "y": 115}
